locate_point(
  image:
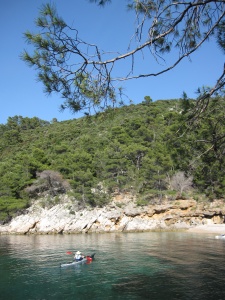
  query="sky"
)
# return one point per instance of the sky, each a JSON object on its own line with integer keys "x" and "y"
{"x": 110, "y": 27}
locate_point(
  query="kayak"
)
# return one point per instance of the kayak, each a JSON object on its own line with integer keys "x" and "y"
{"x": 88, "y": 258}
{"x": 222, "y": 236}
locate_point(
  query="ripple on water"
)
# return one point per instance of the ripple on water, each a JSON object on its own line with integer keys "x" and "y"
{"x": 127, "y": 266}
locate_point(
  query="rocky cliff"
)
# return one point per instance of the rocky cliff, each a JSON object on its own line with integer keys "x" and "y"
{"x": 122, "y": 214}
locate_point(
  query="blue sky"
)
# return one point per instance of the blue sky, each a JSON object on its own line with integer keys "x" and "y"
{"x": 112, "y": 28}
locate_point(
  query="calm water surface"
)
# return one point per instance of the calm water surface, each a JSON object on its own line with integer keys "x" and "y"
{"x": 127, "y": 266}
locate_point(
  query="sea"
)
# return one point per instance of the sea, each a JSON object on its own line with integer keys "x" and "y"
{"x": 145, "y": 265}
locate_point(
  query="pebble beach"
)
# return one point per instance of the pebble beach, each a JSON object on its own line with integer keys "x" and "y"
{"x": 212, "y": 228}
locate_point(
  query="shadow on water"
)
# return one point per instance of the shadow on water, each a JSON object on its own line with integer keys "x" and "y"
{"x": 158, "y": 266}
{"x": 135, "y": 285}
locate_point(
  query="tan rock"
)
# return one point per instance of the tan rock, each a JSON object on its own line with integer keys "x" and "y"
{"x": 68, "y": 218}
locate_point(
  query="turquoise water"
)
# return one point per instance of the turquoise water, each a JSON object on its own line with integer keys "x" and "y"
{"x": 127, "y": 266}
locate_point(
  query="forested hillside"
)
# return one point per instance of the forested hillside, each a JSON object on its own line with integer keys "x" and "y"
{"x": 152, "y": 150}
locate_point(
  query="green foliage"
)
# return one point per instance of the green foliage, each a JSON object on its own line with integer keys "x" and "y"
{"x": 9, "y": 206}
{"x": 49, "y": 202}
{"x": 221, "y": 35}
{"x": 86, "y": 77}
{"x": 53, "y": 52}
{"x": 137, "y": 148}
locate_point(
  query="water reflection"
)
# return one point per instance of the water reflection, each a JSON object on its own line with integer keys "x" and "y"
{"x": 126, "y": 266}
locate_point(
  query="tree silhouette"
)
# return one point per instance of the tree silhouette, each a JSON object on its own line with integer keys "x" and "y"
{"x": 85, "y": 76}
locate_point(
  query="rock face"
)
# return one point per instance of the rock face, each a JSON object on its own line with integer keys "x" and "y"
{"x": 121, "y": 215}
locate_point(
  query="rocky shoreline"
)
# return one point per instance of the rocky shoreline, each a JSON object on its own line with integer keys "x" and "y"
{"x": 121, "y": 215}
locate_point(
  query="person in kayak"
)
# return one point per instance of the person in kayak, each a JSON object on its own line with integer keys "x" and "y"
{"x": 78, "y": 256}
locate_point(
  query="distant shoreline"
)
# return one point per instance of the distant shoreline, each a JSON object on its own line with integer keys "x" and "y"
{"x": 213, "y": 228}
{"x": 121, "y": 215}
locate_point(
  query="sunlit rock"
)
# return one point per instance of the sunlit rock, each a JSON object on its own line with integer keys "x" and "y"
{"x": 121, "y": 215}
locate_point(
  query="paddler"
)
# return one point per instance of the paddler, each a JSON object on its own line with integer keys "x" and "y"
{"x": 78, "y": 256}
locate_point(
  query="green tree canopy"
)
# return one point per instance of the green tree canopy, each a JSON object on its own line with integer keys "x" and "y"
{"x": 163, "y": 26}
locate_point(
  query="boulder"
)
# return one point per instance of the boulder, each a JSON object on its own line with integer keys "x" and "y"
{"x": 69, "y": 217}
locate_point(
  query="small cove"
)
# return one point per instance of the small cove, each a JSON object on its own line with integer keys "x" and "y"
{"x": 150, "y": 265}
